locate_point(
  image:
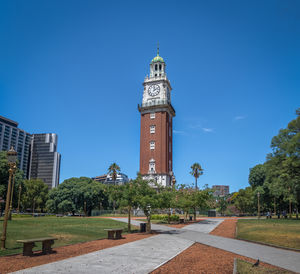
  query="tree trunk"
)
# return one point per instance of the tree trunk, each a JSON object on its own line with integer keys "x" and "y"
{"x": 196, "y": 183}
{"x": 148, "y": 226}
{"x": 195, "y": 213}
{"x": 33, "y": 206}
{"x": 129, "y": 219}
{"x": 169, "y": 216}
{"x": 274, "y": 206}
{"x": 290, "y": 209}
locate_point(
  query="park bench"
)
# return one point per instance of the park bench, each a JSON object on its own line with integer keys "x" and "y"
{"x": 29, "y": 244}
{"x": 114, "y": 233}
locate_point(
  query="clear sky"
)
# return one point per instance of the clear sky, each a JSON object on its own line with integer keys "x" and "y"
{"x": 76, "y": 68}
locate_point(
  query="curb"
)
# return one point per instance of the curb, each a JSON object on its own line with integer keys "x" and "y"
{"x": 171, "y": 258}
{"x": 234, "y": 266}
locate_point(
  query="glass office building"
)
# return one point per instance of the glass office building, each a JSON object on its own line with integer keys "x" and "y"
{"x": 37, "y": 153}
{"x": 45, "y": 160}
{"x": 11, "y": 135}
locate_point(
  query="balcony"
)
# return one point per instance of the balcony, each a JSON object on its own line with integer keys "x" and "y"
{"x": 157, "y": 103}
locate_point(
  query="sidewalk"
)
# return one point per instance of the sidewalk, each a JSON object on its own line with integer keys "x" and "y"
{"x": 145, "y": 255}
{"x": 141, "y": 256}
{"x": 286, "y": 259}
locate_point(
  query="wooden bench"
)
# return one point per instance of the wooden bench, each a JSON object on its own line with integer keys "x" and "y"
{"x": 114, "y": 233}
{"x": 29, "y": 244}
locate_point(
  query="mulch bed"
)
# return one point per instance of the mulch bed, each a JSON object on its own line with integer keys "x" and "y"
{"x": 17, "y": 262}
{"x": 226, "y": 229}
{"x": 200, "y": 258}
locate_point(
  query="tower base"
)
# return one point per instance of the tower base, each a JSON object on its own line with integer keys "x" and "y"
{"x": 161, "y": 179}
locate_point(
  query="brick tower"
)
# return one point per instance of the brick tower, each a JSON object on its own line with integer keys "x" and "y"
{"x": 156, "y": 143}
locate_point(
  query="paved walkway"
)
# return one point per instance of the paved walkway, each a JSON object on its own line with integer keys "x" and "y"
{"x": 145, "y": 255}
{"x": 204, "y": 226}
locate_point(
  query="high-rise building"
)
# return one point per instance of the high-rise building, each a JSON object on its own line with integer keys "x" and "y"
{"x": 37, "y": 153}
{"x": 45, "y": 160}
{"x": 157, "y": 112}
{"x": 11, "y": 135}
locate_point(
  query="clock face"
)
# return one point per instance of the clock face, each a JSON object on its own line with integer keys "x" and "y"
{"x": 153, "y": 90}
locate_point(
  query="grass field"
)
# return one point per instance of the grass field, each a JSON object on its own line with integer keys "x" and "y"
{"x": 285, "y": 233}
{"x": 68, "y": 230}
{"x": 244, "y": 267}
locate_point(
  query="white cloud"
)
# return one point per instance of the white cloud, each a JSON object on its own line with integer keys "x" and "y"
{"x": 207, "y": 129}
{"x": 236, "y": 118}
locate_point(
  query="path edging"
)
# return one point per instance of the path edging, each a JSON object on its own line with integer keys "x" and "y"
{"x": 171, "y": 258}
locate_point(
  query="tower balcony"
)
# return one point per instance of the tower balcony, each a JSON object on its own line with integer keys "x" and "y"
{"x": 157, "y": 105}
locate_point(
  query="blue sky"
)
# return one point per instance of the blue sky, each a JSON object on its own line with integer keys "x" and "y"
{"x": 76, "y": 68}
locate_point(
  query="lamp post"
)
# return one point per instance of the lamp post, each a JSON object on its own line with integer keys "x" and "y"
{"x": 173, "y": 182}
{"x": 19, "y": 198}
{"x": 12, "y": 159}
{"x": 11, "y": 196}
{"x": 258, "y": 208}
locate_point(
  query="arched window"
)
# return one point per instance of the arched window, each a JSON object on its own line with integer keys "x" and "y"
{"x": 156, "y": 67}
{"x": 152, "y": 166}
{"x": 159, "y": 66}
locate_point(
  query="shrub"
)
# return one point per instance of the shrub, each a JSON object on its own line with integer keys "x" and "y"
{"x": 164, "y": 217}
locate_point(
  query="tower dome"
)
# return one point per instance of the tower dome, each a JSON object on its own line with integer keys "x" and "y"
{"x": 157, "y": 58}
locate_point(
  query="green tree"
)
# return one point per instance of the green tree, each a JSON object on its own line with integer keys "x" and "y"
{"x": 244, "y": 201}
{"x": 147, "y": 199}
{"x": 113, "y": 171}
{"x": 166, "y": 198}
{"x": 257, "y": 176}
{"x": 197, "y": 171}
{"x": 128, "y": 198}
{"x": 222, "y": 204}
{"x": 19, "y": 178}
{"x": 283, "y": 164}
{"x": 35, "y": 194}
{"x": 78, "y": 192}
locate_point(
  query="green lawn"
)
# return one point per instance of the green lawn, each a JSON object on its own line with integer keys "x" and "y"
{"x": 68, "y": 230}
{"x": 285, "y": 233}
{"x": 244, "y": 267}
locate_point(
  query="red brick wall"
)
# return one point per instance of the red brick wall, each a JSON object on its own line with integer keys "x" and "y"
{"x": 161, "y": 153}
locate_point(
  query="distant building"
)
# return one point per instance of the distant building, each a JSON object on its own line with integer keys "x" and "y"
{"x": 37, "y": 153}
{"x": 45, "y": 160}
{"x": 11, "y": 135}
{"x": 107, "y": 179}
{"x": 220, "y": 190}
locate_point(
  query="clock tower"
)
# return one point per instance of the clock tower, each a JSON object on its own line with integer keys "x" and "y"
{"x": 157, "y": 112}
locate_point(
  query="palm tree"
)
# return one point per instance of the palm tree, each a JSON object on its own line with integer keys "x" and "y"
{"x": 197, "y": 171}
{"x": 113, "y": 172}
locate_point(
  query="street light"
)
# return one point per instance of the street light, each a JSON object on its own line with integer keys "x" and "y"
{"x": 12, "y": 159}
{"x": 258, "y": 209}
{"x": 20, "y": 190}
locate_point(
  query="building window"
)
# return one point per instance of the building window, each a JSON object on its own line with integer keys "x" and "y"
{"x": 152, "y": 129}
{"x": 156, "y": 67}
{"x": 152, "y": 166}
{"x": 152, "y": 115}
{"x": 152, "y": 145}
{"x": 159, "y": 67}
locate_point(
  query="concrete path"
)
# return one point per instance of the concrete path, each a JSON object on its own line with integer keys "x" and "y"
{"x": 145, "y": 255}
{"x": 275, "y": 256}
{"x": 141, "y": 256}
{"x": 204, "y": 226}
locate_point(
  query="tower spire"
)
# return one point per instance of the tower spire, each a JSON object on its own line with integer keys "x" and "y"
{"x": 157, "y": 48}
